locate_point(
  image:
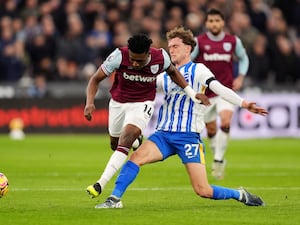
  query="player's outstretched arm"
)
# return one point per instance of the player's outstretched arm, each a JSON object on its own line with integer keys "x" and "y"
{"x": 252, "y": 107}
{"x": 232, "y": 97}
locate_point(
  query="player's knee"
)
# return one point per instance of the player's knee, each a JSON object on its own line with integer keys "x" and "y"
{"x": 203, "y": 192}
{"x": 113, "y": 144}
{"x": 225, "y": 128}
{"x": 211, "y": 134}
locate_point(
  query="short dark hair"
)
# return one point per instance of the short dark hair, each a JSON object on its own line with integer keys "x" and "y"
{"x": 139, "y": 43}
{"x": 214, "y": 12}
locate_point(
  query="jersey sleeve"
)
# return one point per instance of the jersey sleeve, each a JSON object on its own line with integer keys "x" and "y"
{"x": 242, "y": 56}
{"x": 204, "y": 74}
{"x": 167, "y": 59}
{"x": 112, "y": 62}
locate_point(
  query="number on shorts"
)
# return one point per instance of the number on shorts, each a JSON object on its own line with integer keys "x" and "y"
{"x": 148, "y": 110}
{"x": 191, "y": 150}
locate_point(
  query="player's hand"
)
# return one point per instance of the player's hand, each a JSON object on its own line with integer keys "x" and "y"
{"x": 238, "y": 83}
{"x": 88, "y": 110}
{"x": 252, "y": 107}
{"x": 203, "y": 98}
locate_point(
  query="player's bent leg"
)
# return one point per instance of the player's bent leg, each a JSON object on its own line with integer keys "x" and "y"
{"x": 198, "y": 178}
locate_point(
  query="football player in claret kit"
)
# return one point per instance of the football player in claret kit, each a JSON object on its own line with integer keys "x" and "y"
{"x": 136, "y": 67}
{"x": 217, "y": 49}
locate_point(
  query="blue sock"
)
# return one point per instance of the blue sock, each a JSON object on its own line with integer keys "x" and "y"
{"x": 221, "y": 193}
{"x": 127, "y": 175}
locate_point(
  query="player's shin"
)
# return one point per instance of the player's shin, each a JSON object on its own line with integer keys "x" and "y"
{"x": 115, "y": 162}
{"x": 127, "y": 175}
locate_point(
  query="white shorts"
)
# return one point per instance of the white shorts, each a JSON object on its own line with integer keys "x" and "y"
{"x": 121, "y": 114}
{"x": 218, "y": 104}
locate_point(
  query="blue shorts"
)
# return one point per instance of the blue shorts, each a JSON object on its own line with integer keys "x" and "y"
{"x": 187, "y": 145}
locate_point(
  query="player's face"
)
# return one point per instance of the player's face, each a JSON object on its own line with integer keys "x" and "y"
{"x": 138, "y": 61}
{"x": 179, "y": 51}
{"x": 214, "y": 24}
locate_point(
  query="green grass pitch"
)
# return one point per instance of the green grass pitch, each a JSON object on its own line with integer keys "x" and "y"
{"x": 48, "y": 175}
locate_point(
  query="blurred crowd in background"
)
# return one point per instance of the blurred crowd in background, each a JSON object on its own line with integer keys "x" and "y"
{"x": 66, "y": 40}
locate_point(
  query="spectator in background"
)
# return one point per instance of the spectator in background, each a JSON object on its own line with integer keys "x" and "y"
{"x": 9, "y": 9}
{"x": 258, "y": 11}
{"x": 282, "y": 54}
{"x": 30, "y": 8}
{"x": 259, "y": 66}
{"x": 11, "y": 65}
{"x": 240, "y": 25}
{"x": 39, "y": 87}
{"x": 41, "y": 49}
{"x": 72, "y": 52}
{"x": 284, "y": 61}
{"x": 98, "y": 41}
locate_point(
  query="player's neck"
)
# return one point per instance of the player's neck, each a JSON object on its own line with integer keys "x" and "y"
{"x": 183, "y": 62}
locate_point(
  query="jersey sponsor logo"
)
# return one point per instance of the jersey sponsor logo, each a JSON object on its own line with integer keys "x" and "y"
{"x": 227, "y": 46}
{"x": 138, "y": 78}
{"x": 217, "y": 57}
{"x": 154, "y": 68}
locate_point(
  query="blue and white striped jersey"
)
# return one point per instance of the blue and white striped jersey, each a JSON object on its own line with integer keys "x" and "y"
{"x": 178, "y": 112}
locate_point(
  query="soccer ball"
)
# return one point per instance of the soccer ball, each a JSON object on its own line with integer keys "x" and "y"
{"x": 3, "y": 185}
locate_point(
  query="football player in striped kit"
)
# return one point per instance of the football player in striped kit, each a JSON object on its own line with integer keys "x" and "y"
{"x": 180, "y": 123}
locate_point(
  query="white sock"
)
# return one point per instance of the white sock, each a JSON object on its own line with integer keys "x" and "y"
{"x": 221, "y": 145}
{"x": 115, "y": 162}
{"x": 212, "y": 143}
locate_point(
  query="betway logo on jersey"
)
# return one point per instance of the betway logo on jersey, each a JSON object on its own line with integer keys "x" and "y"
{"x": 217, "y": 57}
{"x": 139, "y": 78}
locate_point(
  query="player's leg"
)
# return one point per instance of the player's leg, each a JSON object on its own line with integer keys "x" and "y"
{"x": 198, "y": 178}
{"x": 225, "y": 112}
{"x": 211, "y": 130}
{"x": 210, "y": 119}
{"x": 191, "y": 151}
{"x": 148, "y": 152}
{"x": 115, "y": 124}
{"x": 222, "y": 136}
{"x": 134, "y": 117}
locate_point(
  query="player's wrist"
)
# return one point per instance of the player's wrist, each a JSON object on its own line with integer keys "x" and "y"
{"x": 244, "y": 104}
{"x": 190, "y": 92}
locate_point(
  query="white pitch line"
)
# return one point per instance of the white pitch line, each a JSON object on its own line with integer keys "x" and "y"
{"x": 154, "y": 189}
